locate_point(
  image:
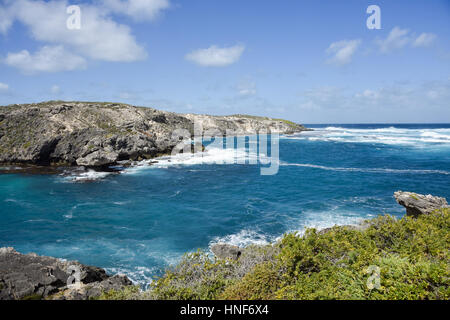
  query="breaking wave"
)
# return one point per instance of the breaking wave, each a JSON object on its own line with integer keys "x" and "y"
{"x": 367, "y": 170}
{"x": 388, "y": 136}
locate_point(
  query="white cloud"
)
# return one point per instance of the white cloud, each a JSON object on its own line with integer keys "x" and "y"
{"x": 100, "y": 37}
{"x": 139, "y": 10}
{"x": 399, "y": 102}
{"x": 47, "y": 59}
{"x": 6, "y": 20}
{"x": 342, "y": 51}
{"x": 55, "y": 90}
{"x": 215, "y": 56}
{"x": 370, "y": 94}
{"x": 4, "y": 87}
{"x": 392, "y": 97}
{"x": 246, "y": 88}
{"x": 424, "y": 40}
{"x": 397, "y": 38}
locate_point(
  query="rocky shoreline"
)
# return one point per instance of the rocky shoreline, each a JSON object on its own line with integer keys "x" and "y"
{"x": 29, "y": 276}
{"x": 33, "y": 277}
{"x": 99, "y": 135}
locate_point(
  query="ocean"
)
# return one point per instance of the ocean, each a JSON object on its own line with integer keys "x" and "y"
{"x": 142, "y": 220}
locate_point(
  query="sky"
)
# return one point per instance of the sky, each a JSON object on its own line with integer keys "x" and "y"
{"x": 306, "y": 61}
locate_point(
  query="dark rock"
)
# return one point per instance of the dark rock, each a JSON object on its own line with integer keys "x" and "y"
{"x": 417, "y": 204}
{"x": 92, "y": 289}
{"x": 226, "y": 251}
{"x": 37, "y": 277}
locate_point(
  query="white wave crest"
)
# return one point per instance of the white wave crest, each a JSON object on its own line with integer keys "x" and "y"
{"x": 208, "y": 157}
{"x": 327, "y": 219}
{"x": 90, "y": 175}
{"x": 387, "y": 136}
{"x": 367, "y": 170}
{"x": 138, "y": 275}
{"x": 242, "y": 239}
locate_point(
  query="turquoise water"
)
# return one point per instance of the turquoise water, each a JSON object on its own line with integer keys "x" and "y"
{"x": 142, "y": 220}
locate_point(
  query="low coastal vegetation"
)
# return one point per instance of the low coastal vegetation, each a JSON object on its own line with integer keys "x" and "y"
{"x": 409, "y": 257}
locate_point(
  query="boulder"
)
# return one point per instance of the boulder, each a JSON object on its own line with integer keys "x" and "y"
{"x": 98, "y": 159}
{"x": 91, "y": 290}
{"x": 37, "y": 277}
{"x": 226, "y": 251}
{"x": 417, "y": 204}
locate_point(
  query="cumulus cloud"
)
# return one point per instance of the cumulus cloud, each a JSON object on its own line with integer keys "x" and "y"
{"x": 4, "y": 87}
{"x": 391, "y": 97}
{"x": 215, "y": 56}
{"x": 139, "y": 10}
{"x": 55, "y": 90}
{"x": 100, "y": 37}
{"x": 399, "y": 38}
{"x": 342, "y": 51}
{"x": 47, "y": 59}
{"x": 424, "y": 40}
{"x": 5, "y": 20}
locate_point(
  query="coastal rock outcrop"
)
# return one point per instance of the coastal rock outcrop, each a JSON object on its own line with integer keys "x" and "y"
{"x": 417, "y": 204}
{"x": 37, "y": 277}
{"x": 226, "y": 251}
{"x": 101, "y": 134}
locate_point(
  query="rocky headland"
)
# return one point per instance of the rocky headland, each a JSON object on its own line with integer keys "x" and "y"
{"x": 103, "y": 134}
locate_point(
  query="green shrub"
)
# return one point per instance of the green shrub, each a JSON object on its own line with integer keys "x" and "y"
{"x": 195, "y": 277}
{"x": 411, "y": 254}
{"x": 128, "y": 293}
{"x": 261, "y": 283}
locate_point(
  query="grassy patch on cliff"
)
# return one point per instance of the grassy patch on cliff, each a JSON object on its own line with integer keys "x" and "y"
{"x": 289, "y": 123}
{"x": 410, "y": 255}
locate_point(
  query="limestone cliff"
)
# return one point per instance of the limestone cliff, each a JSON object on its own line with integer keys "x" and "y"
{"x": 100, "y": 134}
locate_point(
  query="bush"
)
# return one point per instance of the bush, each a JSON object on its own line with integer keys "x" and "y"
{"x": 411, "y": 255}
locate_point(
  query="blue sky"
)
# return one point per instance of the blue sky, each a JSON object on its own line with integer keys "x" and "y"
{"x": 307, "y": 61}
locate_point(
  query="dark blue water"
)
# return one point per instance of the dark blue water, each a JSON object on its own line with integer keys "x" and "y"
{"x": 144, "y": 219}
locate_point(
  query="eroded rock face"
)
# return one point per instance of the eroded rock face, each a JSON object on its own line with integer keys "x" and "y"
{"x": 100, "y": 134}
{"x": 417, "y": 204}
{"x": 37, "y": 277}
{"x": 226, "y": 251}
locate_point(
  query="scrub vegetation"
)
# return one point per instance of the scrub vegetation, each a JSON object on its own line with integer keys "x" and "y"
{"x": 409, "y": 257}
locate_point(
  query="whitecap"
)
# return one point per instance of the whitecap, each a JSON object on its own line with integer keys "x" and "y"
{"x": 367, "y": 170}
{"x": 139, "y": 275}
{"x": 387, "y": 136}
{"x": 210, "y": 156}
{"x": 243, "y": 238}
{"x": 85, "y": 176}
{"x": 320, "y": 220}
